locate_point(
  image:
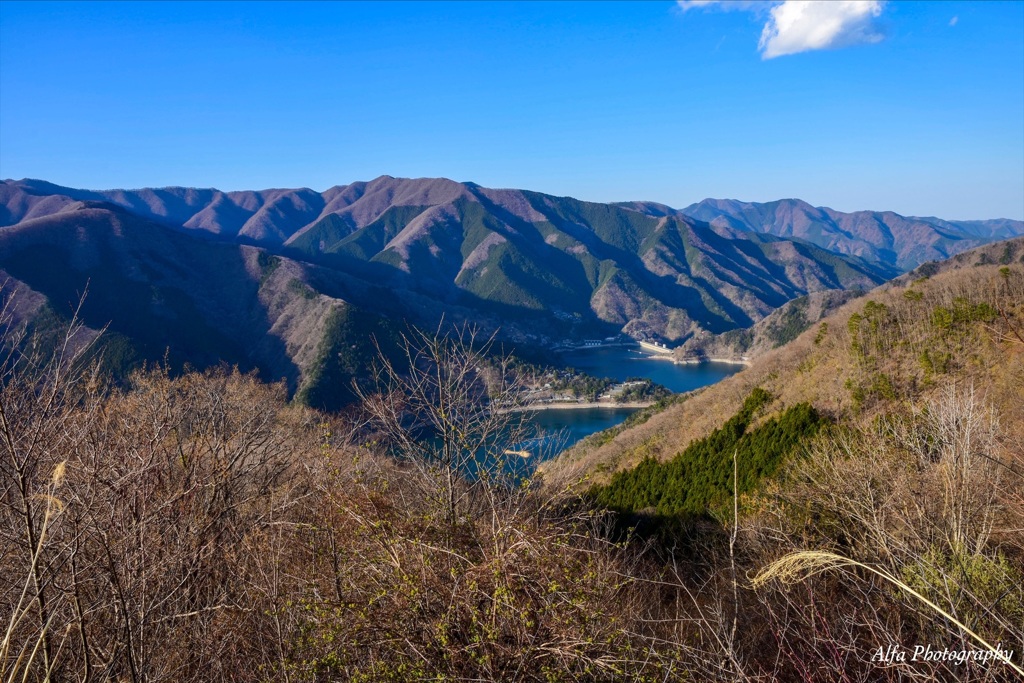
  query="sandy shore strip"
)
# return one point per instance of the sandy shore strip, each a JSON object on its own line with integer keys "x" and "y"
{"x": 578, "y": 406}
{"x": 694, "y": 361}
{"x": 730, "y": 361}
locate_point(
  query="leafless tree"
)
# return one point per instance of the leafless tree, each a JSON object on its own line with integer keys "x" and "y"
{"x": 451, "y": 412}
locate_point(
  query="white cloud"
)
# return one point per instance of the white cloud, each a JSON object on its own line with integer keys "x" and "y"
{"x": 725, "y": 5}
{"x": 803, "y": 25}
{"x": 694, "y": 4}
{"x": 952, "y": 22}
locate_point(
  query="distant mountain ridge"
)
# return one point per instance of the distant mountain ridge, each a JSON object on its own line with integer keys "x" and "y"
{"x": 295, "y": 282}
{"x": 538, "y": 265}
{"x": 276, "y": 217}
{"x": 265, "y": 217}
{"x": 883, "y": 236}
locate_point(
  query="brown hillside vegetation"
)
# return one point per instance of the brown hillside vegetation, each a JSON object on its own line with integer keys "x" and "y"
{"x": 199, "y": 527}
{"x": 910, "y": 339}
{"x": 898, "y": 526}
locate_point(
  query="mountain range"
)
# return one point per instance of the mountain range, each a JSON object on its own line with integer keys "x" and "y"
{"x": 276, "y": 217}
{"x": 878, "y": 236}
{"x": 292, "y": 281}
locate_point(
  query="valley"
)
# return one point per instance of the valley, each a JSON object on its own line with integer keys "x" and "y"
{"x": 298, "y": 284}
{"x": 512, "y": 342}
{"x": 372, "y": 387}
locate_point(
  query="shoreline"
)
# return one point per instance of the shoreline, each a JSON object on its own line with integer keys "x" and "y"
{"x": 657, "y": 353}
{"x": 729, "y": 361}
{"x": 608, "y": 345}
{"x": 696, "y": 361}
{"x": 654, "y": 348}
{"x": 579, "y": 406}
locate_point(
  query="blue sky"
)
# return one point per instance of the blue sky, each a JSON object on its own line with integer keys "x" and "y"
{"x": 911, "y": 107}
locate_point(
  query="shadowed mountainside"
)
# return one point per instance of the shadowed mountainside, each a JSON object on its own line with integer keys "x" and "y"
{"x": 163, "y": 295}
{"x": 542, "y": 268}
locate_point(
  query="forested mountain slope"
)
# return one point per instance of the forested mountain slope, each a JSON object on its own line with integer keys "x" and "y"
{"x": 780, "y": 326}
{"x": 538, "y": 267}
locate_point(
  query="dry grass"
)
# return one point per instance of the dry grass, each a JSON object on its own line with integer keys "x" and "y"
{"x": 198, "y": 528}
{"x": 802, "y": 371}
{"x": 798, "y": 566}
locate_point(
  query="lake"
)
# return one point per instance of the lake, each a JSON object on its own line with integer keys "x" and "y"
{"x": 619, "y": 363}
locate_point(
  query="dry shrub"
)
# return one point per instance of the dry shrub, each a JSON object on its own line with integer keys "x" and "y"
{"x": 199, "y": 528}
{"x": 203, "y": 529}
{"x": 916, "y": 508}
{"x": 131, "y": 562}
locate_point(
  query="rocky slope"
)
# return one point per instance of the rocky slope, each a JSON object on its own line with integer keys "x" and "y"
{"x": 781, "y": 326}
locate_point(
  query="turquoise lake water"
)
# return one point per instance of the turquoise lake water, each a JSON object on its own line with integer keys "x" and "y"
{"x": 565, "y": 427}
{"x": 621, "y": 363}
